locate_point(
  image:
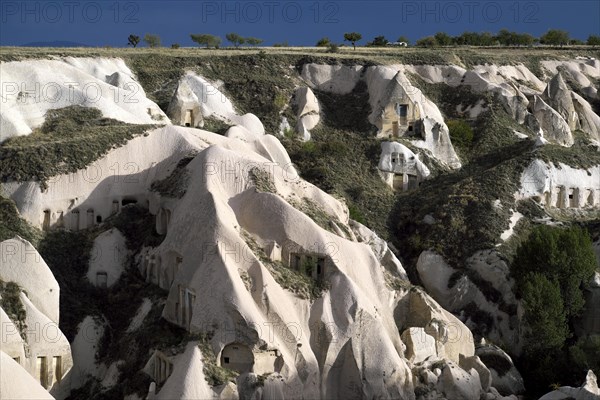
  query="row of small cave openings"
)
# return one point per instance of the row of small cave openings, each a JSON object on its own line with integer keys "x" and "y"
{"x": 48, "y": 370}
{"x": 74, "y": 223}
{"x": 309, "y": 264}
{"x": 563, "y": 197}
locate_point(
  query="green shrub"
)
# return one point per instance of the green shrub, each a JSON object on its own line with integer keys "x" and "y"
{"x": 550, "y": 268}
{"x": 461, "y": 133}
{"x": 356, "y": 214}
{"x": 333, "y": 48}
{"x": 262, "y": 180}
{"x": 10, "y": 301}
{"x": 544, "y": 313}
{"x": 11, "y": 224}
{"x": 215, "y": 125}
{"x": 280, "y": 101}
{"x": 564, "y": 256}
{"x": 585, "y": 354}
{"x": 428, "y": 41}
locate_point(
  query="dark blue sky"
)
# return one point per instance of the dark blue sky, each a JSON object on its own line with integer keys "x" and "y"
{"x": 100, "y": 23}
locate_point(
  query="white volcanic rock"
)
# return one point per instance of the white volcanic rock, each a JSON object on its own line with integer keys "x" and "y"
{"x": 187, "y": 380}
{"x": 595, "y": 281}
{"x": 21, "y": 263}
{"x": 505, "y": 377}
{"x": 515, "y": 84}
{"x": 108, "y": 257}
{"x": 41, "y": 337}
{"x": 518, "y": 72}
{"x": 485, "y": 78}
{"x": 12, "y": 342}
{"x": 389, "y": 85}
{"x": 32, "y": 87}
{"x": 220, "y": 235}
{"x": 435, "y": 274}
{"x": 493, "y": 268}
{"x": 308, "y": 111}
{"x": 232, "y": 201}
{"x": 17, "y": 384}
{"x": 44, "y": 339}
{"x": 84, "y": 348}
{"x": 396, "y": 158}
{"x": 386, "y": 86}
{"x": 339, "y": 79}
{"x": 284, "y": 126}
{"x": 203, "y": 99}
{"x": 588, "y": 120}
{"x": 102, "y": 188}
{"x": 580, "y": 70}
{"x": 380, "y": 248}
{"x": 140, "y": 315}
{"x": 458, "y": 384}
{"x": 452, "y": 337}
{"x": 514, "y": 219}
{"x": 588, "y": 391}
{"x": 76, "y": 200}
{"x": 485, "y": 377}
{"x": 350, "y": 326}
{"x": 560, "y": 185}
{"x": 419, "y": 345}
{"x": 553, "y": 125}
{"x": 558, "y": 96}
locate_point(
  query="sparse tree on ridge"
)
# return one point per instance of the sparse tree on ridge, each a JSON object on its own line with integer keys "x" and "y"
{"x": 133, "y": 40}
{"x": 555, "y": 37}
{"x": 252, "y": 41}
{"x": 443, "y": 39}
{"x": 206, "y": 39}
{"x": 428, "y": 41}
{"x": 379, "y": 41}
{"x": 235, "y": 39}
{"x": 152, "y": 40}
{"x": 323, "y": 42}
{"x": 525, "y": 39}
{"x": 593, "y": 40}
{"x": 507, "y": 38}
{"x": 352, "y": 37}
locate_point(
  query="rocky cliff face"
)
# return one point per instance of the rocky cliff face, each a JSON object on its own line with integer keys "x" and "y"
{"x": 265, "y": 285}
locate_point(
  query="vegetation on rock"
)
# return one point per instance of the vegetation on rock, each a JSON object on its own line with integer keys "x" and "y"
{"x": 10, "y": 302}
{"x": 11, "y": 224}
{"x": 70, "y": 139}
{"x": 551, "y": 268}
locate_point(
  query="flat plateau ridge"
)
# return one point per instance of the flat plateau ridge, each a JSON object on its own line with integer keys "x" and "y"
{"x": 225, "y": 273}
